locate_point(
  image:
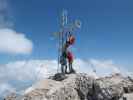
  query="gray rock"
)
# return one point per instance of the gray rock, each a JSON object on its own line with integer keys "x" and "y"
{"x": 127, "y": 96}
{"x": 79, "y": 87}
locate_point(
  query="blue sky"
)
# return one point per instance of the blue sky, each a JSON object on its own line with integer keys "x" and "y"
{"x": 106, "y": 31}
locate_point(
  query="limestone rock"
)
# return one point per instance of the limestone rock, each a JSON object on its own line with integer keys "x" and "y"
{"x": 128, "y": 96}
{"x": 80, "y": 87}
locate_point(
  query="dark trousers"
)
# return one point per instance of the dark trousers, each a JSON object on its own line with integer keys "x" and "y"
{"x": 71, "y": 70}
{"x": 64, "y": 69}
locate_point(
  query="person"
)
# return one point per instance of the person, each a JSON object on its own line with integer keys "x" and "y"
{"x": 63, "y": 58}
{"x": 70, "y": 62}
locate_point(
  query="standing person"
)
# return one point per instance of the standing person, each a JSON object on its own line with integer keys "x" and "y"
{"x": 70, "y": 57}
{"x": 63, "y": 58}
{"x": 70, "y": 62}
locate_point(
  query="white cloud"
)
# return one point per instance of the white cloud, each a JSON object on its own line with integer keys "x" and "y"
{"x": 96, "y": 67}
{"x": 107, "y": 66}
{"x": 13, "y": 42}
{"x": 28, "y": 70}
{"x": 35, "y": 70}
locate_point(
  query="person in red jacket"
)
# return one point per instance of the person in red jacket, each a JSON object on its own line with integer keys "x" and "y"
{"x": 70, "y": 61}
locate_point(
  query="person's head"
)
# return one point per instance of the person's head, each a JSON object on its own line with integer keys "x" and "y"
{"x": 71, "y": 39}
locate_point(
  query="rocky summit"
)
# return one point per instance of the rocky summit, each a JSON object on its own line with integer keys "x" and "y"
{"x": 79, "y": 87}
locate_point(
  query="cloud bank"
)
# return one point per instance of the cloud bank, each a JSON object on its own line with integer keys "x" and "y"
{"x": 22, "y": 74}
{"x": 13, "y": 42}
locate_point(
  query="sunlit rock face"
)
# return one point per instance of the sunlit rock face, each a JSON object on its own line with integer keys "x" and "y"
{"x": 80, "y": 87}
